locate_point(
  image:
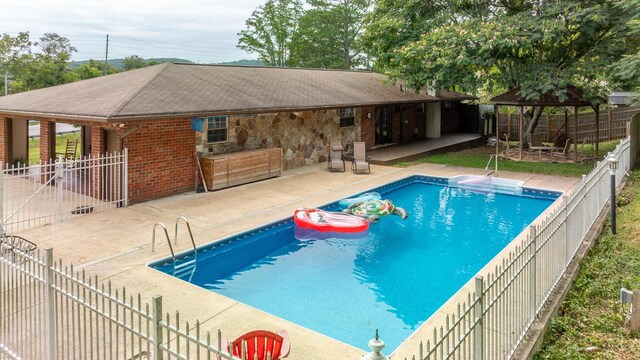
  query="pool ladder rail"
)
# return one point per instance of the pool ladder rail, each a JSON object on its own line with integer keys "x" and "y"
{"x": 486, "y": 169}
{"x": 175, "y": 238}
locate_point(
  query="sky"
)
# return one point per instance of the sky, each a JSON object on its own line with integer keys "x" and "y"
{"x": 203, "y": 31}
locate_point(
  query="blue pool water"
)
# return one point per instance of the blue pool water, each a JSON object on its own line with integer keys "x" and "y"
{"x": 391, "y": 279}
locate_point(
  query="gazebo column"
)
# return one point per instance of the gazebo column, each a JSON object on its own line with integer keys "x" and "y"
{"x": 597, "y": 109}
{"x": 497, "y": 131}
{"x": 521, "y": 145}
{"x": 575, "y": 134}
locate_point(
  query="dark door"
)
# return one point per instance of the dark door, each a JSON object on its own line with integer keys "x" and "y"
{"x": 383, "y": 125}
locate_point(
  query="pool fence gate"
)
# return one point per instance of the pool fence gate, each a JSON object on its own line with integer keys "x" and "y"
{"x": 48, "y": 310}
{"x": 33, "y": 195}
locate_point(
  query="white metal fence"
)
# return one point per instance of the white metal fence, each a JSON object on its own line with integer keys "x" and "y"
{"x": 493, "y": 320}
{"x": 33, "y": 195}
{"x": 50, "y": 311}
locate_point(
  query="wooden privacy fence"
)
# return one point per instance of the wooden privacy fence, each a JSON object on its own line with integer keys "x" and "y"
{"x": 613, "y": 125}
{"x": 491, "y": 322}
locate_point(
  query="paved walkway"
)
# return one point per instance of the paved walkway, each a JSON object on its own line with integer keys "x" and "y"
{"x": 115, "y": 244}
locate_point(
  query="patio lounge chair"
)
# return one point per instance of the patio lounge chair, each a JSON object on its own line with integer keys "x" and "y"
{"x": 336, "y": 157}
{"x": 564, "y": 151}
{"x": 260, "y": 345}
{"x": 360, "y": 159}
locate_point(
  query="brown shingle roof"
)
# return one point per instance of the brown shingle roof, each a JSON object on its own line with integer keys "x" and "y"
{"x": 512, "y": 97}
{"x": 172, "y": 90}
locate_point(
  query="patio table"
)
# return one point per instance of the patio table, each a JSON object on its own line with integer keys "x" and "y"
{"x": 541, "y": 149}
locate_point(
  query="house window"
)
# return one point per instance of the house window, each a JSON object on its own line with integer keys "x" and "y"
{"x": 216, "y": 129}
{"x": 420, "y": 108}
{"x": 347, "y": 117}
{"x": 447, "y": 107}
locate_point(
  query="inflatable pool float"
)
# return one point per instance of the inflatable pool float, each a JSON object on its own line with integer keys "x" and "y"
{"x": 321, "y": 220}
{"x": 362, "y": 198}
{"x": 372, "y": 210}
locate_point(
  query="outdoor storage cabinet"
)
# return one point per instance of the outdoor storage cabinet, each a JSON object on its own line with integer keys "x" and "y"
{"x": 224, "y": 170}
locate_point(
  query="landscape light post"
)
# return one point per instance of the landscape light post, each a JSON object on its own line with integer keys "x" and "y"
{"x": 613, "y": 165}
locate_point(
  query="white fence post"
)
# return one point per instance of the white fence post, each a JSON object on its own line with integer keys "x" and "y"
{"x": 50, "y": 308}
{"x": 478, "y": 309}
{"x": 125, "y": 176}
{"x": 568, "y": 249}
{"x": 533, "y": 275}
{"x": 58, "y": 184}
{"x": 156, "y": 314}
{"x": 1, "y": 192}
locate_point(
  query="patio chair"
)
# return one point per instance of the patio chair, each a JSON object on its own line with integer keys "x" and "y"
{"x": 260, "y": 345}
{"x": 336, "y": 156}
{"x": 360, "y": 159}
{"x": 564, "y": 151}
{"x": 69, "y": 150}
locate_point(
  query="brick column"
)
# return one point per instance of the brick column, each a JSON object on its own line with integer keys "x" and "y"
{"x": 96, "y": 151}
{"x": 47, "y": 140}
{"x": 368, "y": 126}
{"x": 4, "y": 140}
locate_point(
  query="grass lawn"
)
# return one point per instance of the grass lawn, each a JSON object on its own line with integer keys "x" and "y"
{"x": 590, "y": 323}
{"x": 478, "y": 157}
{"x": 61, "y": 143}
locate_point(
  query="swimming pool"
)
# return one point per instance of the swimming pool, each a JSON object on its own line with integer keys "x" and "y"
{"x": 392, "y": 278}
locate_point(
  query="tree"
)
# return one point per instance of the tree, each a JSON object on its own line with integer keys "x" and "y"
{"x": 328, "y": 34}
{"x": 12, "y": 48}
{"x": 134, "y": 62}
{"x": 270, "y": 31}
{"x": 92, "y": 69}
{"x": 626, "y": 72}
{"x": 470, "y": 45}
{"x": 45, "y": 68}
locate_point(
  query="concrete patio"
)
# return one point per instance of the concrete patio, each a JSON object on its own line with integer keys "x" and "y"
{"x": 115, "y": 244}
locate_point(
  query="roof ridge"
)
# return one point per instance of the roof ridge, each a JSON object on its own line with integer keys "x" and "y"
{"x": 278, "y": 67}
{"x": 119, "y": 108}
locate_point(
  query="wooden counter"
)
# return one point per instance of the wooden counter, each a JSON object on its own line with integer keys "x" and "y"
{"x": 224, "y": 170}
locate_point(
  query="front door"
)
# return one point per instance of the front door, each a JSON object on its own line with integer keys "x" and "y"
{"x": 383, "y": 125}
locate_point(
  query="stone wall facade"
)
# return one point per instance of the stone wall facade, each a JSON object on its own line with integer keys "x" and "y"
{"x": 303, "y": 136}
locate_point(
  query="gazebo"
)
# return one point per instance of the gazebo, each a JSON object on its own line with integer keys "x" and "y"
{"x": 574, "y": 98}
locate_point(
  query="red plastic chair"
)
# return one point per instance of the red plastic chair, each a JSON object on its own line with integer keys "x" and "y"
{"x": 259, "y": 343}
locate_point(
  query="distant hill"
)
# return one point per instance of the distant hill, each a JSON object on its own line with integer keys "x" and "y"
{"x": 244, "y": 62}
{"x": 118, "y": 62}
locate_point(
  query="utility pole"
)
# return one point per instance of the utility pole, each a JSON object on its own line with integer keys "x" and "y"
{"x": 6, "y": 80}
{"x": 106, "y": 56}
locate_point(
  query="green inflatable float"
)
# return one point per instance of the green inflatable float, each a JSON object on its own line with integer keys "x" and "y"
{"x": 372, "y": 210}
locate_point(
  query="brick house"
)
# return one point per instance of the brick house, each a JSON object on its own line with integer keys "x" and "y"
{"x": 152, "y": 112}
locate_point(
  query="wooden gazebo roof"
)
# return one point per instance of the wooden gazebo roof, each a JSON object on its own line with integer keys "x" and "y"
{"x": 574, "y": 97}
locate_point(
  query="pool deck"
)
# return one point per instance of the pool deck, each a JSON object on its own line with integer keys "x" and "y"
{"x": 116, "y": 244}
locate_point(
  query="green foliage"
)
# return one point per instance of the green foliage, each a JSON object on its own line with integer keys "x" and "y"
{"x": 591, "y": 316}
{"x": 47, "y": 67}
{"x": 270, "y": 31}
{"x": 92, "y": 69}
{"x": 328, "y": 34}
{"x": 134, "y": 62}
{"x": 13, "y": 48}
{"x": 497, "y": 45}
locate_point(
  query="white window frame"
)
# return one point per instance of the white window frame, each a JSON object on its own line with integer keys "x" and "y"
{"x": 226, "y": 129}
{"x": 352, "y": 117}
